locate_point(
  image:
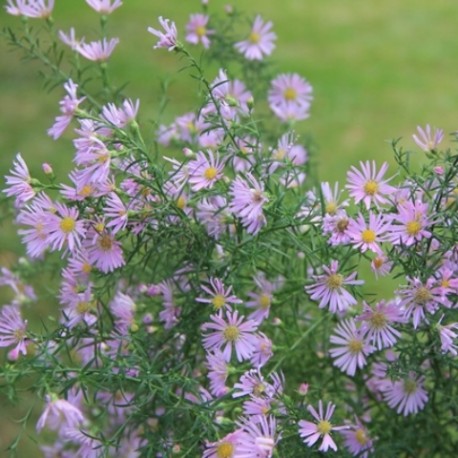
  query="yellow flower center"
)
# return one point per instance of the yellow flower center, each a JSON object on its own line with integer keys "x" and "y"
{"x": 413, "y": 227}
{"x": 280, "y": 154}
{"x": 361, "y": 437}
{"x": 378, "y": 262}
{"x": 181, "y": 202}
{"x": 225, "y": 450}
{"x": 86, "y": 191}
{"x": 84, "y": 307}
{"x": 355, "y": 346}
{"x": 368, "y": 236}
{"x": 264, "y": 301}
{"x": 254, "y": 38}
{"x": 218, "y": 301}
{"x": 445, "y": 283}
{"x": 201, "y": 31}
{"x": 258, "y": 389}
{"x": 99, "y": 227}
{"x": 231, "y": 333}
{"x": 422, "y": 295}
{"x": 67, "y": 224}
{"x": 334, "y": 281}
{"x": 86, "y": 268}
{"x": 290, "y": 94}
{"x": 331, "y": 207}
{"x": 410, "y": 386}
{"x": 371, "y": 187}
{"x": 210, "y": 173}
{"x": 324, "y": 427}
{"x": 105, "y": 242}
{"x": 378, "y": 320}
{"x": 19, "y": 334}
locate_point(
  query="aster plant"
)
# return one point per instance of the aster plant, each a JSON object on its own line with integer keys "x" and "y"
{"x": 207, "y": 292}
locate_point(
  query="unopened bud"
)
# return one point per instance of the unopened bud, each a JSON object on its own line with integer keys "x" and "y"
{"x": 439, "y": 170}
{"x": 47, "y": 169}
{"x": 229, "y": 9}
{"x": 188, "y": 152}
{"x": 303, "y": 389}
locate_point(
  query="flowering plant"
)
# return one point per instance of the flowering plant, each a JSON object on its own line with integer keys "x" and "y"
{"x": 208, "y": 285}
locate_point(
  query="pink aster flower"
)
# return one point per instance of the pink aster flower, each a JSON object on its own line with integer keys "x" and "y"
{"x": 290, "y": 88}
{"x": 260, "y": 436}
{"x": 368, "y": 236}
{"x": 376, "y": 323}
{"x": 196, "y": 30}
{"x": 104, "y": 252}
{"x": 59, "y": 414}
{"x": 260, "y": 42}
{"x": 167, "y": 39}
{"x": 171, "y": 312}
{"x": 205, "y": 170}
{"x": 329, "y": 289}
{"x": 357, "y": 440}
{"x": 448, "y": 333}
{"x": 122, "y": 116}
{"x": 337, "y": 226}
{"x": 218, "y": 372}
{"x": 311, "y": 432}
{"x": 227, "y": 447}
{"x": 332, "y": 198}
{"x": 410, "y": 224}
{"x": 70, "y": 39}
{"x": 98, "y": 51}
{"x": 213, "y": 214}
{"x": 262, "y": 352}
{"x": 18, "y": 184}
{"x": 407, "y": 396}
{"x": 352, "y": 347}
{"x": 247, "y": 202}
{"x": 30, "y": 8}
{"x": 13, "y": 329}
{"x": 104, "y": 6}
{"x": 428, "y": 139}
{"x": 64, "y": 228}
{"x": 68, "y": 106}
{"x": 220, "y": 296}
{"x": 369, "y": 186}
{"x": 123, "y": 309}
{"x": 230, "y": 332}
{"x": 381, "y": 266}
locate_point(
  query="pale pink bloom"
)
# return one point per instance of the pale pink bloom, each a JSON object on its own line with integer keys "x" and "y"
{"x": 116, "y": 211}
{"x": 337, "y": 226}
{"x": 287, "y": 152}
{"x": 329, "y": 289}
{"x": 357, "y": 440}
{"x": 247, "y": 202}
{"x": 410, "y": 224}
{"x": 23, "y": 293}
{"x": 104, "y": 6}
{"x": 332, "y": 198}
{"x": 290, "y": 113}
{"x": 407, "y": 396}
{"x": 70, "y": 39}
{"x": 428, "y": 139}
{"x": 205, "y": 170}
{"x": 169, "y": 38}
{"x": 196, "y": 30}
{"x": 261, "y": 436}
{"x": 98, "y": 51}
{"x": 252, "y": 383}
{"x": 262, "y": 352}
{"x": 120, "y": 117}
{"x": 368, "y": 235}
{"x": 68, "y": 106}
{"x": 448, "y": 333}
{"x": 171, "y": 312}
{"x": 218, "y": 372}
{"x": 123, "y": 309}
{"x": 30, "y": 8}
{"x": 227, "y": 447}
{"x": 104, "y": 252}
{"x": 213, "y": 214}
{"x": 230, "y": 332}
{"x": 369, "y": 186}
{"x": 13, "y": 329}
{"x": 220, "y": 296}
{"x": 376, "y": 323}
{"x": 18, "y": 184}
{"x": 89, "y": 447}
{"x": 311, "y": 432}
{"x": 59, "y": 414}
{"x": 352, "y": 347}
{"x": 290, "y": 88}
{"x": 260, "y": 41}
{"x": 381, "y": 266}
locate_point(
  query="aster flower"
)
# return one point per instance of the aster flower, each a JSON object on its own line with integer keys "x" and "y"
{"x": 331, "y": 198}
{"x": 369, "y": 186}
{"x": 123, "y": 309}
{"x": 218, "y": 372}
{"x": 311, "y": 432}
{"x": 59, "y": 414}
{"x": 407, "y": 396}
{"x": 260, "y": 438}
{"x": 290, "y": 113}
{"x": 260, "y": 42}
{"x": 167, "y": 39}
{"x": 357, "y": 440}
{"x": 64, "y": 228}
{"x": 367, "y": 236}
{"x": 98, "y": 51}
{"x": 290, "y": 88}
{"x": 70, "y": 39}
{"x": 329, "y": 289}
{"x": 120, "y": 117}
{"x": 262, "y": 352}
{"x": 13, "y": 329}
{"x": 104, "y": 6}
{"x": 196, "y": 30}
{"x": 410, "y": 224}
{"x": 448, "y": 333}
{"x": 352, "y": 347}
{"x": 230, "y": 332}
{"x": 68, "y": 106}
{"x": 41, "y": 9}
{"x": 252, "y": 383}
{"x": 213, "y": 215}
{"x": 247, "y": 202}
{"x": 18, "y": 184}
{"x": 219, "y": 295}
{"x": 337, "y": 226}
{"x": 428, "y": 139}
{"x": 170, "y": 313}
{"x": 381, "y": 265}
{"x": 227, "y": 447}
{"x": 116, "y": 211}
{"x": 205, "y": 170}
{"x": 23, "y": 293}
{"x": 376, "y": 323}
{"x": 88, "y": 446}
{"x": 104, "y": 252}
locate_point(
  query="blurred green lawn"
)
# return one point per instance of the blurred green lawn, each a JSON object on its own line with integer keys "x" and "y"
{"x": 378, "y": 70}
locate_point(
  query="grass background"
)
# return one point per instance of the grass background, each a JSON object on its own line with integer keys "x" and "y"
{"x": 378, "y": 70}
